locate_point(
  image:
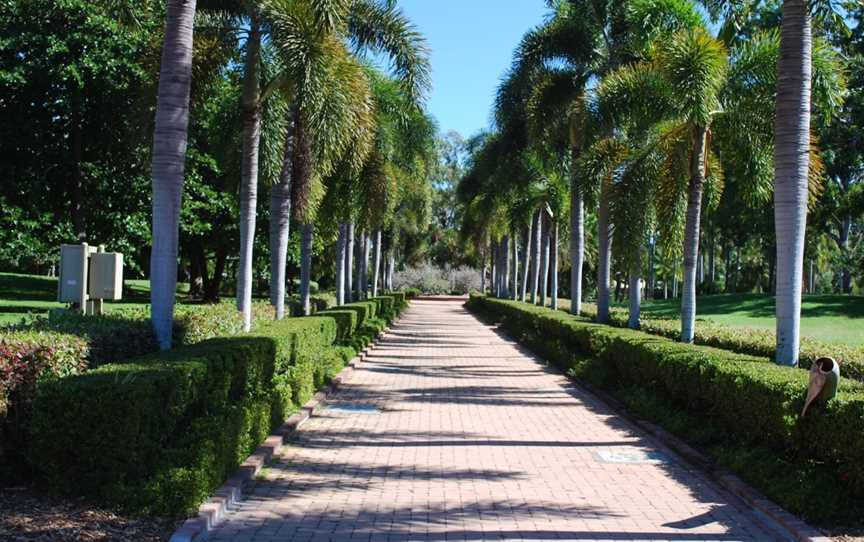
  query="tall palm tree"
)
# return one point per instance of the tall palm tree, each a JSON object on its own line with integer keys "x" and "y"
{"x": 169, "y": 158}
{"x": 330, "y": 90}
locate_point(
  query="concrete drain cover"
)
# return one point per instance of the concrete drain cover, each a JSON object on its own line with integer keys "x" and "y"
{"x": 631, "y": 457}
{"x": 353, "y": 408}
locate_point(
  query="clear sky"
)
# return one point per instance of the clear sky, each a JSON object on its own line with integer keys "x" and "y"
{"x": 472, "y": 43}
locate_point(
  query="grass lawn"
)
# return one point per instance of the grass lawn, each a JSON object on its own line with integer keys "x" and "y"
{"x": 826, "y": 318}
{"x": 23, "y": 297}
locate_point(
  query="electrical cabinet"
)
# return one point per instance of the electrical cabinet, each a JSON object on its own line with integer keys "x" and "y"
{"x": 106, "y": 275}
{"x": 72, "y": 286}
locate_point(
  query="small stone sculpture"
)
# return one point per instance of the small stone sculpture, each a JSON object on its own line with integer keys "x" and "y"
{"x": 824, "y": 377}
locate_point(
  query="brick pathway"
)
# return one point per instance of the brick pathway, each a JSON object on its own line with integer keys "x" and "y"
{"x": 451, "y": 432}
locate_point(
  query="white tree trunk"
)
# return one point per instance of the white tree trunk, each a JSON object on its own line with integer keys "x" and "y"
{"x": 168, "y": 163}
{"x": 505, "y": 267}
{"x": 349, "y": 262}
{"x": 544, "y": 262}
{"x": 554, "y": 265}
{"x": 536, "y": 249}
{"x": 364, "y": 266}
{"x": 280, "y": 224}
{"x": 577, "y": 248}
{"x": 376, "y": 269}
{"x": 306, "y": 231}
{"x": 635, "y": 291}
{"x": 251, "y": 112}
{"x": 515, "y": 282}
{"x": 341, "y": 243}
{"x": 691, "y": 234}
{"x": 526, "y": 263}
{"x": 604, "y": 255}
{"x": 791, "y": 164}
{"x": 392, "y": 266}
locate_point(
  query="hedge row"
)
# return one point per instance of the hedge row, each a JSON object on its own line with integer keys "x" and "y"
{"x": 159, "y": 433}
{"x": 757, "y": 342}
{"x": 755, "y": 403}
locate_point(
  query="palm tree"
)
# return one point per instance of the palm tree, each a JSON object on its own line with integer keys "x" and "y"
{"x": 331, "y": 93}
{"x": 682, "y": 80}
{"x": 169, "y": 158}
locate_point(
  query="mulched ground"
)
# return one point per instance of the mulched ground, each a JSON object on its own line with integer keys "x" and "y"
{"x": 27, "y": 516}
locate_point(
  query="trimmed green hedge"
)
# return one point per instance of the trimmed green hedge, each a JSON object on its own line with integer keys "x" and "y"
{"x": 346, "y": 322}
{"x": 386, "y": 306}
{"x": 752, "y": 402}
{"x": 399, "y": 300}
{"x": 159, "y": 433}
{"x": 757, "y": 342}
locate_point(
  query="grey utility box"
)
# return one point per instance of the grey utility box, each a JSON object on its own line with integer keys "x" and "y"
{"x": 72, "y": 286}
{"x": 106, "y": 275}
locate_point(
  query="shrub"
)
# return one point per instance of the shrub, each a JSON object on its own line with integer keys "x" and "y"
{"x": 399, "y": 301}
{"x": 346, "y": 322}
{"x": 28, "y": 359}
{"x": 364, "y": 309}
{"x": 157, "y": 434}
{"x": 751, "y": 402}
{"x": 756, "y": 342}
{"x": 386, "y": 307}
{"x": 425, "y": 278}
{"x": 429, "y": 279}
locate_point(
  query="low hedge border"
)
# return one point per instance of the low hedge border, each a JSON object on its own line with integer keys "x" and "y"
{"x": 747, "y": 403}
{"x": 157, "y": 434}
{"x": 757, "y": 342}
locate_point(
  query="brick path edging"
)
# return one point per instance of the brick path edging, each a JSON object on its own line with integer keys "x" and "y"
{"x": 798, "y": 528}
{"x": 213, "y": 511}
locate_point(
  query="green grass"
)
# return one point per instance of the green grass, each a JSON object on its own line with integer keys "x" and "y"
{"x": 24, "y": 297}
{"x": 827, "y": 318}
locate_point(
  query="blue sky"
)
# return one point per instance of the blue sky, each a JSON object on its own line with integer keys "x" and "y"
{"x": 472, "y": 43}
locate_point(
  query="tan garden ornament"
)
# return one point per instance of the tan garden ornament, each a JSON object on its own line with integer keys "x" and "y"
{"x": 824, "y": 377}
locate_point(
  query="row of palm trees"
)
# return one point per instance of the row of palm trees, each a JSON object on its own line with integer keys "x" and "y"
{"x": 638, "y": 113}
{"x": 348, "y": 138}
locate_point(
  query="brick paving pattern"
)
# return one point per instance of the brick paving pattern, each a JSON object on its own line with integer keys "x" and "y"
{"x": 450, "y": 431}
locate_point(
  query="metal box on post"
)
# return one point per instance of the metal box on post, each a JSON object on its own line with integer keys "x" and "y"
{"x": 106, "y": 275}
{"x": 72, "y": 286}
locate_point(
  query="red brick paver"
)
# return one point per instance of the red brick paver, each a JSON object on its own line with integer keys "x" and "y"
{"x": 451, "y": 432}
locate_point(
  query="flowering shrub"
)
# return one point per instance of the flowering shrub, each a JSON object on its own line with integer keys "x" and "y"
{"x": 26, "y": 360}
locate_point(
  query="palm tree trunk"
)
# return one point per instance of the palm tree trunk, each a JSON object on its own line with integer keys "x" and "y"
{"x": 515, "y": 282}
{"x": 791, "y": 164}
{"x": 604, "y": 255}
{"x": 526, "y": 262}
{"x": 306, "y": 231}
{"x": 169, "y": 159}
{"x": 691, "y": 233}
{"x": 635, "y": 290}
{"x": 544, "y": 265}
{"x": 376, "y": 269}
{"x": 536, "y": 249}
{"x": 811, "y": 278}
{"x": 280, "y": 223}
{"x": 341, "y": 243}
{"x": 554, "y": 265}
{"x": 364, "y": 266}
{"x": 349, "y": 263}
{"x": 493, "y": 273}
{"x": 652, "y": 275}
{"x": 502, "y": 266}
{"x": 392, "y": 259}
{"x": 577, "y": 247}
{"x": 251, "y": 113}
